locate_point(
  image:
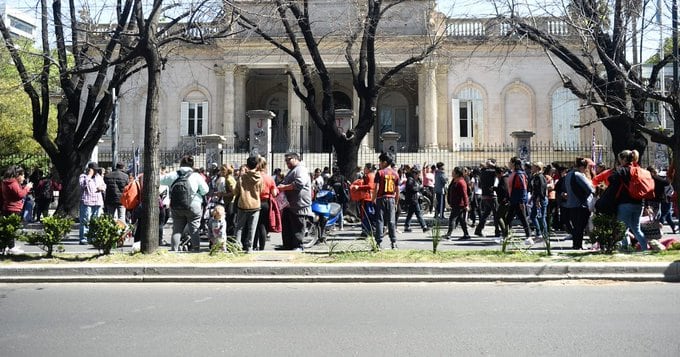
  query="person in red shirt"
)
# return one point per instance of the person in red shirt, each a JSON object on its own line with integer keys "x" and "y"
{"x": 365, "y": 190}
{"x": 13, "y": 194}
{"x": 269, "y": 191}
{"x": 457, "y": 197}
{"x": 385, "y": 198}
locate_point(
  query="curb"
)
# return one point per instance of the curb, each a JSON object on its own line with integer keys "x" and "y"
{"x": 343, "y": 273}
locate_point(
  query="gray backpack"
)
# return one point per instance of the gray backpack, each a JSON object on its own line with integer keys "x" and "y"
{"x": 181, "y": 194}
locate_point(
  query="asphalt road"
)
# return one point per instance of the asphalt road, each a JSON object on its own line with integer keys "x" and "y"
{"x": 543, "y": 319}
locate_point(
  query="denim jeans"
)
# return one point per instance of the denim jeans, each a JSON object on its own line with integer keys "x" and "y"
{"x": 538, "y": 217}
{"x": 246, "y": 220}
{"x": 182, "y": 219}
{"x": 440, "y": 201}
{"x": 86, "y": 212}
{"x": 385, "y": 211}
{"x": 629, "y": 213}
{"x": 117, "y": 211}
{"x": 367, "y": 217}
{"x": 666, "y": 216}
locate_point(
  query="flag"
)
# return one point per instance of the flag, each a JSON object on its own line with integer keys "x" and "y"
{"x": 135, "y": 162}
{"x": 593, "y": 148}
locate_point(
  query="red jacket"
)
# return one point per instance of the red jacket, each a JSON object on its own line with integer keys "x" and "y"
{"x": 458, "y": 193}
{"x": 13, "y": 196}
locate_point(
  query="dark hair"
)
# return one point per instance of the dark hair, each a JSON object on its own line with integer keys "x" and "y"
{"x": 386, "y": 157}
{"x": 292, "y": 155}
{"x": 10, "y": 172}
{"x": 187, "y": 161}
{"x": 120, "y": 166}
{"x": 440, "y": 165}
{"x": 251, "y": 162}
{"x": 581, "y": 162}
{"x": 458, "y": 171}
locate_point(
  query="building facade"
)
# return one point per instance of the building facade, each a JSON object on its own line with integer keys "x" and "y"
{"x": 476, "y": 90}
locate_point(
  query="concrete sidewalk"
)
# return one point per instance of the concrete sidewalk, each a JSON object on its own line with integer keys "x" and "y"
{"x": 273, "y": 266}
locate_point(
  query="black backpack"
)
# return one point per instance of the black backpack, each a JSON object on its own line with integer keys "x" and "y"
{"x": 181, "y": 194}
{"x": 44, "y": 191}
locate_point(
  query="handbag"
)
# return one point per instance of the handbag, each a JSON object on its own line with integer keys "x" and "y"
{"x": 281, "y": 201}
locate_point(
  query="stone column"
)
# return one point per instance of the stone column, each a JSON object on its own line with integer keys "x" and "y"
{"x": 240, "y": 120}
{"x": 523, "y": 144}
{"x": 228, "y": 107}
{"x": 295, "y": 114}
{"x": 430, "y": 106}
{"x": 390, "y": 139}
{"x": 217, "y": 107}
{"x": 260, "y": 133}
{"x": 214, "y": 144}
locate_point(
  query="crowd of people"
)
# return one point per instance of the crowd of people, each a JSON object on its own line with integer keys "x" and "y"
{"x": 248, "y": 203}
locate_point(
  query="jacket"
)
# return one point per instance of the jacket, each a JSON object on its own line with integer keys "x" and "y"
{"x": 458, "y": 193}
{"x": 621, "y": 176}
{"x": 248, "y": 190}
{"x": 13, "y": 195}
{"x": 576, "y": 180}
{"x": 366, "y": 187}
{"x": 115, "y": 183}
{"x": 198, "y": 185}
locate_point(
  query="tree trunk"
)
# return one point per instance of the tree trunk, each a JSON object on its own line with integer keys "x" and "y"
{"x": 149, "y": 226}
{"x": 347, "y": 153}
{"x": 624, "y": 137}
{"x": 69, "y": 175}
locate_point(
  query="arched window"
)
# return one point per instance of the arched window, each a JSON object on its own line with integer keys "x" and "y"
{"x": 342, "y": 100}
{"x": 564, "y": 115}
{"x": 467, "y": 111}
{"x": 394, "y": 114}
{"x": 194, "y": 115}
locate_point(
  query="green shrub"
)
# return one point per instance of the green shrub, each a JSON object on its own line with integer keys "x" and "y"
{"x": 104, "y": 233}
{"x": 10, "y": 228}
{"x": 607, "y": 231}
{"x": 55, "y": 228}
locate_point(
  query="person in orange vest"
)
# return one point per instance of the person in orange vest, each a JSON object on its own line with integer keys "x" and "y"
{"x": 362, "y": 190}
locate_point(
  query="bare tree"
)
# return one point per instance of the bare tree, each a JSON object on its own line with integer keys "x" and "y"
{"x": 302, "y": 41}
{"x": 594, "y": 41}
{"x": 93, "y": 61}
{"x": 81, "y": 123}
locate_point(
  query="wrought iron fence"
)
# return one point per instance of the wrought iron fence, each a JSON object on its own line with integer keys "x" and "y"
{"x": 463, "y": 155}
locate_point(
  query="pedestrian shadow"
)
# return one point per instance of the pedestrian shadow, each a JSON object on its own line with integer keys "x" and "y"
{"x": 37, "y": 257}
{"x": 672, "y": 273}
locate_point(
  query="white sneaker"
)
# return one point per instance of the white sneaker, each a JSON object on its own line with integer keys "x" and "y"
{"x": 529, "y": 241}
{"x": 15, "y": 251}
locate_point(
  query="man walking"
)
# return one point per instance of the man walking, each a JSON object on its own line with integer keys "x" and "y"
{"x": 115, "y": 182}
{"x": 386, "y": 196}
{"x": 489, "y": 202}
{"x": 440, "y": 181}
{"x": 297, "y": 187}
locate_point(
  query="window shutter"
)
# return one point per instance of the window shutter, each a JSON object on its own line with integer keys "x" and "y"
{"x": 455, "y": 128}
{"x": 184, "y": 119}
{"x": 205, "y": 118}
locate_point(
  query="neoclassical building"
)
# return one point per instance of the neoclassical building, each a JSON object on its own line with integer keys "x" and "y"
{"x": 475, "y": 90}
